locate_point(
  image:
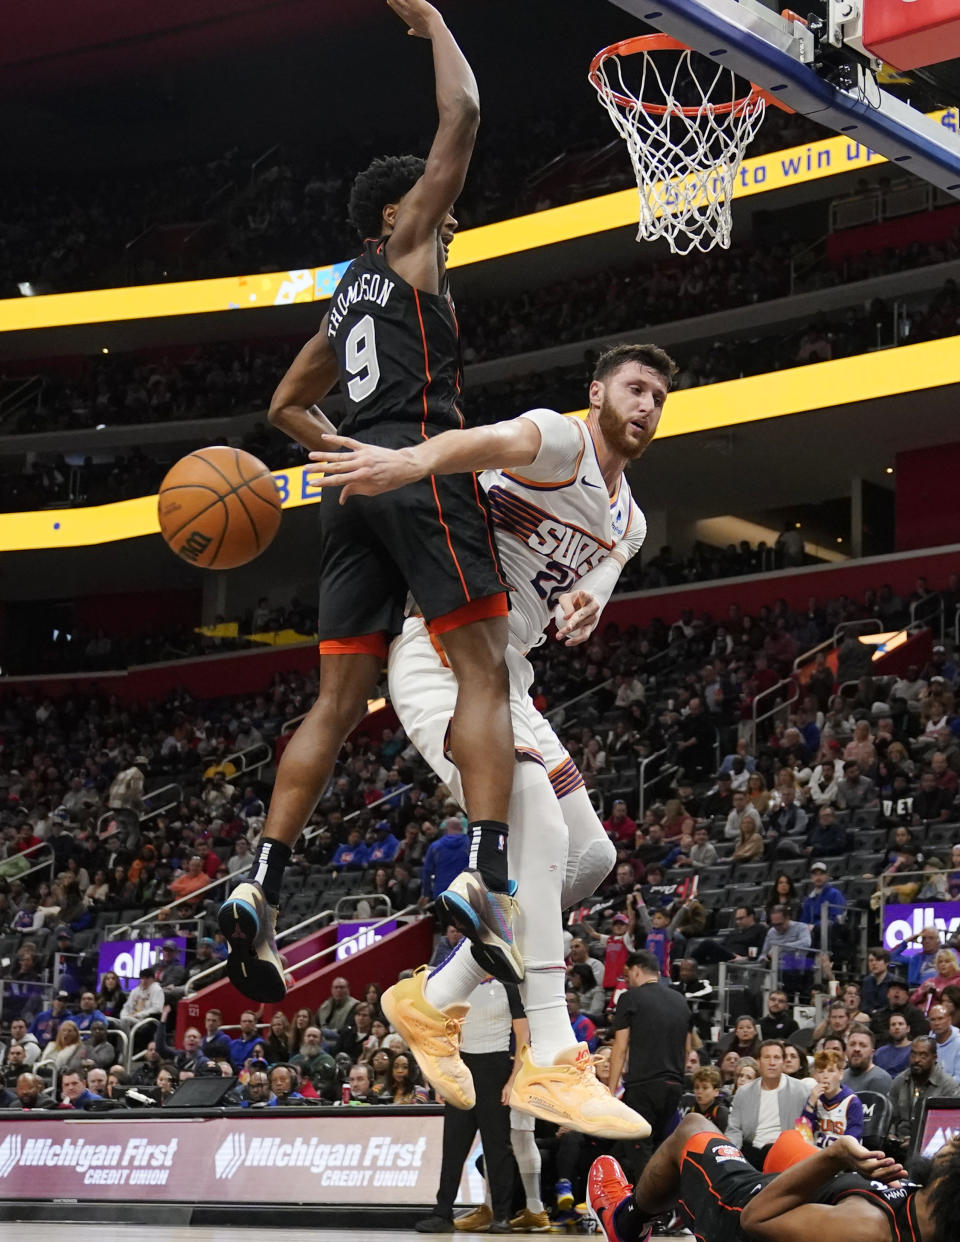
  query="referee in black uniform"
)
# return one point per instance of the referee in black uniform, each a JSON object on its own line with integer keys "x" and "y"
{"x": 487, "y": 1029}
{"x": 652, "y": 1026}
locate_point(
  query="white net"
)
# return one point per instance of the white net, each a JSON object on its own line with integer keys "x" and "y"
{"x": 686, "y": 121}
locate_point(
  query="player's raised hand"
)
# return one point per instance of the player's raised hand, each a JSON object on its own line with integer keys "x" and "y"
{"x": 360, "y": 469}
{"x": 874, "y": 1165}
{"x": 419, "y": 16}
{"x": 577, "y": 615}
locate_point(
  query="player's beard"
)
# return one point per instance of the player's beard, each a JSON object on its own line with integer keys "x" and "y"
{"x": 617, "y": 434}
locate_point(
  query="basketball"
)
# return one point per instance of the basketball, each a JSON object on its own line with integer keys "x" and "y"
{"x": 218, "y": 508}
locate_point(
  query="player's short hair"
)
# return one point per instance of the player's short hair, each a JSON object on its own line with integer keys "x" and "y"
{"x": 709, "y": 1075}
{"x": 385, "y": 181}
{"x": 827, "y": 1058}
{"x": 651, "y": 356}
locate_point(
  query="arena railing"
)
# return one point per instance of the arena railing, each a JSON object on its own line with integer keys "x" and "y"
{"x": 788, "y": 686}
{"x": 866, "y": 626}
{"x": 927, "y": 609}
{"x": 312, "y": 831}
{"x": 158, "y": 915}
{"x": 411, "y": 911}
{"x": 162, "y": 791}
{"x": 644, "y": 782}
{"x": 212, "y": 971}
{"x": 11, "y": 870}
{"x": 561, "y": 708}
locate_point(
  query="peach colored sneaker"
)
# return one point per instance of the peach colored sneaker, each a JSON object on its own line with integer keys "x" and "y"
{"x": 570, "y": 1094}
{"x": 433, "y": 1036}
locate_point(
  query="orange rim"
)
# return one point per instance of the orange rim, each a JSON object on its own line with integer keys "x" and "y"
{"x": 641, "y": 45}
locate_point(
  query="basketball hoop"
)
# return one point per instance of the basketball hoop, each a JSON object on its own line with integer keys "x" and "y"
{"x": 686, "y": 123}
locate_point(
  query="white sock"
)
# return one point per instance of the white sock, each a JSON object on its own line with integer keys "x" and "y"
{"x": 546, "y": 1008}
{"x": 527, "y": 1154}
{"x": 454, "y": 979}
{"x": 487, "y": 1197}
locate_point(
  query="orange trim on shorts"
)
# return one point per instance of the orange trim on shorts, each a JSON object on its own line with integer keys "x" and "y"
{"x": 361, "y": 644}
{"x": 437, "y": 645}
{"x": 789, "y": 1149}
{"x": 476, "y": 610}
{"x": 696, "y": 1144}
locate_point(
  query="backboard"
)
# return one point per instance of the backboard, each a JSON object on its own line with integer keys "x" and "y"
{"x": 833, "y": 83}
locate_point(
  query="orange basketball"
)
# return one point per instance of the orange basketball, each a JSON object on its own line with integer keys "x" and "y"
{"x": 218, "y": 508}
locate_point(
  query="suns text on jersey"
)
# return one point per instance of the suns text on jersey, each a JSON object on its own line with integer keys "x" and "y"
{"x": 369, "y": 287}
{"x": 566, "y": 544}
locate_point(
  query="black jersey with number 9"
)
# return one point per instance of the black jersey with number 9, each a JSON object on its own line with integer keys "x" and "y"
{"x": 398, "y": 349}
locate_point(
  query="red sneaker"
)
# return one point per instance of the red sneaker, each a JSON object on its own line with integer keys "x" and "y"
{"x": 607, "y": 1187}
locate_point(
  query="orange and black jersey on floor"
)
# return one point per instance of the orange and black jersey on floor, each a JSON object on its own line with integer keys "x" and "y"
{"x": 717, "y": 1183}
{"x": 397, "y": 347}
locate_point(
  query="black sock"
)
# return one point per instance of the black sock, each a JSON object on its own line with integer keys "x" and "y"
{"x": 488, "y": 852}
{"x": 628, "y": 1221}
{"x": 269, "y": 866}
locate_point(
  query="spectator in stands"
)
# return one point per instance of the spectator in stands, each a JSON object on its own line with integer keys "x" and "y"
{"x": 855, "y": 791}
{"x": 783, "y": 892}
{"x": 709, "y": 1102}
{"x": 256, "y": 1093}
{"x": 787, "y": 824}
{"x": 898, "y": 1002}
{"x": 98, "y": 1050}
{"x": 277, "y": 1046}
{"x": 446, "y": 944}
{"x": 923, "y": 1078}
{"x": 65, "y": 1050}
{"x": 747, "y": 1070}
{"x": 444, "y": 859}
{"x": 793, "y": 941}
{"x": 862, "y": 1074}
{"x": 76, "y": 1093}
{"x": 702, "y": 853}
{"x": 873, "y": 987}
{"x": 354, "y": 1032}
{"x": 361, "y": 1085}
{"x": 190, "y": 882}
{"x": 831, "y": 1109}
{"x": 696, "y": 738}
{"x": 215, "y": 1045}
{"x": 822, "y": 894}
{"x": 947, "y": 975}
{"x": 88, "y": 1013}
{"x": 923, "y": 965}
{"x": 315, "y": 1063}
{"x": 931, "y": 802}
{"x": 763, "y": 1109}
{"x": 583, "y": 1027}
{"x": 144, "y": 1001}
{"x": 948, "y": 1040}
{"x": 29, "y": 1092}
{"x": 283, "y": 1084}
{"x": 744, "y": 1039}
{"x": 241, "y": 858}
{"x": 619, "y": 826}
{"x": 827, "y": 837}
{"x": 384, "y": 847}
{"x": 187, "y": 1061}
{"x": 336, "y": 1010}
{"x": 718, "y": 802}
{"x": 894, "y": 1055}
{"x": 242, "y": 1047}
{"x": 742, "y": 809}
{"x": 778, "y": 1022}
{"x": 745, "y": 943}
{"x": 750, "y": 844}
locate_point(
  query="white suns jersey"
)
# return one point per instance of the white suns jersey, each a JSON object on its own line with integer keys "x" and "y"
{"x": 555, "y": 521}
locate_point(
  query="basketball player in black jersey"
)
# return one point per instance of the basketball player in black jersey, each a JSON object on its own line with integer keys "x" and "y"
{"x": 390, "y": 336}
{"x": 840, "y": 1193}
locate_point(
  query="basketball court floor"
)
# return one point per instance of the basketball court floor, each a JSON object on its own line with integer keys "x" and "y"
{"x": 45, "y": 1231}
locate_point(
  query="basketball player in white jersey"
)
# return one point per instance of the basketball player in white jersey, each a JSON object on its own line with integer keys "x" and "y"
{"x": 566, "y": 525}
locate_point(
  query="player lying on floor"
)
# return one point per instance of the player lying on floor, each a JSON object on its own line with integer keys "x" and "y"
{"x": 840, "y": 1193}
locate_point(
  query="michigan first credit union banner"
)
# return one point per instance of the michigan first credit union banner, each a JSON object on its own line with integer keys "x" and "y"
{"x": 358, "y": 1154}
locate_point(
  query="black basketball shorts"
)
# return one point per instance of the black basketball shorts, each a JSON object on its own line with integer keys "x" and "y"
{"x": 716, "y": 1184}
{"x": 433, "y": 539}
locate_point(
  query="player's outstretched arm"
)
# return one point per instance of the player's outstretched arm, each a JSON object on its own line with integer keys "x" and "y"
{"x": 310, "y": 377}
{"x": 782, "y": 1212}
{"x": 369, "y": 470}
{"x": 426, "y": 206}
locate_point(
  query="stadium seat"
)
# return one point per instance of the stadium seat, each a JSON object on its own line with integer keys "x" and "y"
{"x": 877, "y": 1116}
